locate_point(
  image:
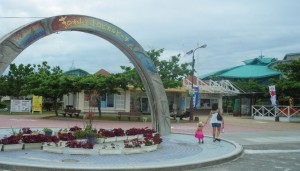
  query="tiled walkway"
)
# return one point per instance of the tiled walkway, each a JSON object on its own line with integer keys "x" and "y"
{"x": 177, "y": 152}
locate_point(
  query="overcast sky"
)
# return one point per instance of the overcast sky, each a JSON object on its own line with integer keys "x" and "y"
{"x": 234, "y": 30}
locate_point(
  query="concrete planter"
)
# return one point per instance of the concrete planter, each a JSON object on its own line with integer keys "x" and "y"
{"x": 12, "y": 147}
{"x": 110, "y": 151}
{"x": 62, "y": 143}
{"x": 132, "y": 150}
{"x": 29, "y": 146}
{"x": 81, "y": 151}
{"x": 131, "y": 137}
{"x": 140, "y": 136}
{"x": 100, "y": 140}
{"x": 53, "y": 149}
{"x": 110, "y": 139}
{"x": 121, "y": 138}
{"x": 150, "y": 148}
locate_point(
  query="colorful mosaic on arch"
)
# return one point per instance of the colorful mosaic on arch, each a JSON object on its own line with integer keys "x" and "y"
{"x": 69, "y": 22}
{"x": 26, "y": 36}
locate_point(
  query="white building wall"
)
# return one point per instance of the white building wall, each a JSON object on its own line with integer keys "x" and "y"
{"x": 127, "y": 101}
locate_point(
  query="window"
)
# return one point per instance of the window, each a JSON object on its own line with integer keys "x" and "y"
{"x": 120, "y": 101}
{"x": 107, "y": 100}
{"x": 205, "y": 103}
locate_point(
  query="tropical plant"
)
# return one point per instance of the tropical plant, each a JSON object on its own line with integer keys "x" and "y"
{"x": 53, "y": 139}
{"x": 148, "y": 140}
{"x": 133, "y": 131}
{"x": 88, "y": 129}
{"x": 146, "y": 131}
{"x": 34, "y": 138}
{"x": 66, "y": 136}
{"x": 13, "y": 139}
{"x": 171, "y": 71}
{"x": 157, "y": 139}
{"x": 289, "y": 84}
{"x": 106, "y": 133}
{"x": 134, "y": 143}
{"x": 47, "y": 130}
{"x": 75, "y": 128}
{"x": 79, "y": 134}
{"x": 119, "y": 132}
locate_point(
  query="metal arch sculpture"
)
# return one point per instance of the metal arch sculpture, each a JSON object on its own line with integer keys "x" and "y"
{"x": 12, "y": 44}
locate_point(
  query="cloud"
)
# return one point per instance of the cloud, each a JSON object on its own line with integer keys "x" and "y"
{"x": 233, "y": 31}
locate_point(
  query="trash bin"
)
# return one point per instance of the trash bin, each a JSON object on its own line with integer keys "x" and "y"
{"x": 177, "y": 119}
{"x": 276, "y": 118}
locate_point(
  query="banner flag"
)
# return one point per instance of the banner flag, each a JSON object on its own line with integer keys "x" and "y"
{"x": 272, "y": 91}
{"x": 196, "y": 96}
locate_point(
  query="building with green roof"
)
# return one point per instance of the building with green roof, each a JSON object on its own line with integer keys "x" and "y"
{"x": 75, "y": 71}
{"x": 254, "y": 69}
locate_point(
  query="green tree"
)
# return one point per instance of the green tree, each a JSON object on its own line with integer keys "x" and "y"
{"x": 4, "y": 86}
{"x": 15, "y": 78}
{"x": 251, "y": 86}
{"x": 289, "y": 84}
{"x": 171, "y": 72}
{"x": 48, "y": 82}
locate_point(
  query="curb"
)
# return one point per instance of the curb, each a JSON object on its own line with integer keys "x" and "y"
{"x": 193, "y": 164}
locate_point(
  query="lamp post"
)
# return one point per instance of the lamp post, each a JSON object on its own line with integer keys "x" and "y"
{"x": 193, "y": 65}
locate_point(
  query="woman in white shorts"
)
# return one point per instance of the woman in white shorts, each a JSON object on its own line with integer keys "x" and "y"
{"x": 215, "y": 123}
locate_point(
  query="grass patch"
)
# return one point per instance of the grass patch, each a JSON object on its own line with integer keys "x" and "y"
{"x": 25, "y": 113}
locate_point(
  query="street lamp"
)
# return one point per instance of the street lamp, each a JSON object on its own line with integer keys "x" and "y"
{"x": 193, "y": 65}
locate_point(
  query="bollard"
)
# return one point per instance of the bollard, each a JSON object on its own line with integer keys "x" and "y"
{"x": 276, "y": 118}
{"x": 177, "y": 119}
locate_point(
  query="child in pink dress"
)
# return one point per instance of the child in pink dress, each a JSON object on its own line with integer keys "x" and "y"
{"x": 199, "y": 133}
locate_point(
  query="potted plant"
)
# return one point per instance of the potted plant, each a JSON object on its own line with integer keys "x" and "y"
{"x": 75, "y": 128}
{"x": 100, "y": 137}
{"x": 48, "y": 131}
{"x": 131, "y": 133}
{"x": 132, "y": 146}
{"x": 146, "y": 131}
{"x": 12, "y": 142}
{"x": 109, "y": 135}
{"x": 33, "y": 141}
{"x": 120, "y": 134}
{"x": 157, "y": 139}
{"x": 91, "y": 134}
{"x": 51, "y": 145}
{"x": 64, "y": 137}
{"x": 80, "y": 147}
{"x": 149, "y": 144}
{"x": 79, "y": 134}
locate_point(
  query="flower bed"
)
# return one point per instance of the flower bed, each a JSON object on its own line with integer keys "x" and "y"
{"x": 66, "y": 142}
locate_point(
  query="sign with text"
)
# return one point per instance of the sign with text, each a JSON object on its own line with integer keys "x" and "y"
{"x": 20, "y": 105}
{"x": 37, "y": 103}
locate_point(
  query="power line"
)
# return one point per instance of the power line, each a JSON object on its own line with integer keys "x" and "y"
{"x": 22, "y": 17}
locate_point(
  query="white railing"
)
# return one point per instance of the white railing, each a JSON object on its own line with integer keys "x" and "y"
{"x": 223, "y": 86}
{"x": 258, "y": 110}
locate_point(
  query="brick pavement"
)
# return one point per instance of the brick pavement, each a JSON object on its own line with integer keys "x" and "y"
{"x": 232, "y": 124}
{"x": 244, "y": 129}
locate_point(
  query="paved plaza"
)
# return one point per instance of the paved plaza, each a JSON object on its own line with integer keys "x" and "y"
{"x": 179, "y": 151}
